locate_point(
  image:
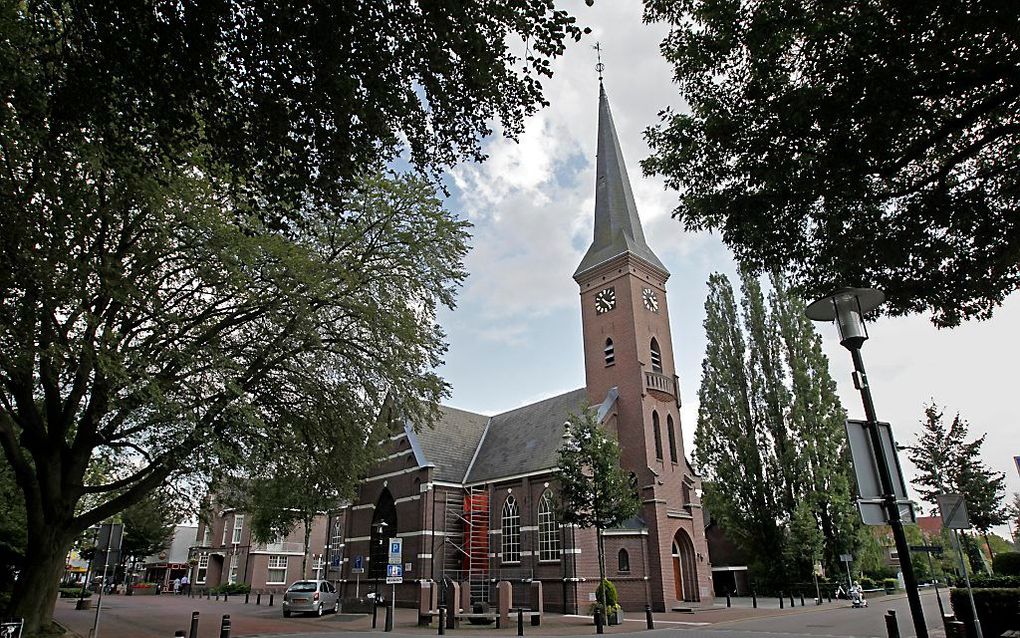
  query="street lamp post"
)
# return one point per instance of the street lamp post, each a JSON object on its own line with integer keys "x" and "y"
{"x": 847, "y": 307}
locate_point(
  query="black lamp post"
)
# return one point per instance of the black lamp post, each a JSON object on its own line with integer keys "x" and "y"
{"x": 847, "y": 307}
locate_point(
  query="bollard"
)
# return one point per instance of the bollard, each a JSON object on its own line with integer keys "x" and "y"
{"x": 375, "y": 611}
{"x": 225, "y": 626}
{"x": 649, "y": 621}
{"x": 830, "y": 594}
{"x": 207, "y": 593}
{"x": 728, "y": 604}
{"x": 225, "y": 594}
{"x": 442, "y": 621}
{"x": 194, "y": 625}
{"x": 246, "y": 594}
{"x": 389, "y": 619}
{"x": 598, "y": 621}
{"x": 955, "y": 628}
{"x": 890, "y": 624}
{"x": 217, "y": 596}
{"x": 271, "y": 594}
{"x": 258, "y": 598}
{"x": 754, "y": 599}
{"x": 179, "y": 633}
{"x": 791, "y": 600}
{"x": 801, "y": 599}
{"x": 781, "y": 599}
{"x": 520, "y": 621}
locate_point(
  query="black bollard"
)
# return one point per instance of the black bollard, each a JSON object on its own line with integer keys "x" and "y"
{"x": 791, "y": 600}
{"x": 225, "y": 594}
{"x": 442, "y": 621}
{"x": 728, "y": 604}
{"x": 225, "y": 626}
{"x": 217, "y": 596}
{"x": 754, "y": 599}
{"x": 179, "y": 633}
{"x": 830, "y": 594}
{"x": 271, "y": 594}
{"x": 781, "y": 599}
{"x": 375, "y": 612}
{"x": 598, "y": 621}
{"x": 246, "y": 594}
{"x": 194, "y": 625}
{"x": 891, "y": 626}
{"x": 649, "y": 621}
{"x": 389, "y": 618}
{"x": 258, "y": 598}
{"x": 451, "y": 619}
{"x": 520, "y": 621}
{"x": 801, "y": 599}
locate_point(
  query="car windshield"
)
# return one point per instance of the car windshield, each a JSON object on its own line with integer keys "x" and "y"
{"x": 303, "y": 585}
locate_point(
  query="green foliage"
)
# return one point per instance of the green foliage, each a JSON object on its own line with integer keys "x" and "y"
{"x": 993, "y": 581}
{"x": 148, "y": 527}
{"x": 769, "y": 440}
{"x": 594, "y": 489}
{"x": 1006, "y": 564}
{"x": 890, "y": 584}
{"x": 873, "y": 146}
{"x": 73, "y": 592}
{"x": 996, "y": 608}
{"x": 867, "y": 583}
{"x": 606, "y": 591}
{"x": 13, "y": 528}
{"x": 231, "y": 588}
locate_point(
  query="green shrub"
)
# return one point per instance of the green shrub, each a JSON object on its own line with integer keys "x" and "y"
{"x": 993, "y": 581}
{"x": 996, "y": 608}
{"x": 606, "y": 591}
{"x": 867, "y": 583}
{"x": 231, "y": 588}
{"x": 1006, "y": 564}
{"x": 890, "y": 584}
{"x": 73, "y": 592}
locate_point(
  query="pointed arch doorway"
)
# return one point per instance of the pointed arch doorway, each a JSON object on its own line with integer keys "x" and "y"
{"x": 384, "y": 527}
{"x": 685, "y": 568}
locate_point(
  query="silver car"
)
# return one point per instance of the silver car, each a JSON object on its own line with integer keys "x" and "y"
{"x": 311, "y": 596}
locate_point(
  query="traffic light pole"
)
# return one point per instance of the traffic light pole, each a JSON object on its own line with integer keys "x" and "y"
{"x": 889, "y": 495}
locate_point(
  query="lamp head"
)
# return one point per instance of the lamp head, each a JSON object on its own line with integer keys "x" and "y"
{"x": 847, "y": 307}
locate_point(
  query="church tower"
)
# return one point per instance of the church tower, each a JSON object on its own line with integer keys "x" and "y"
{"x": 628, "y": 352}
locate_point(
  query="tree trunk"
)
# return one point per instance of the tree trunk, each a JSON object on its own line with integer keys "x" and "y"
{"x": 304, "y": 553}
{"x": 991, "y": 554}
{"x": 35, "y": 592}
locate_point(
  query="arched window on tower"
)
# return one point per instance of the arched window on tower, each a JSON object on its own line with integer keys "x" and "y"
{"x": 672, "y": 438}
{"x": 656, "y": 357}
{"x": 657, "y": 434}
{"x": 511, "y": 531}
{"x": 548, "y": 529}
{"x": 609, "y": 352}
{"x": 623, "y": 560}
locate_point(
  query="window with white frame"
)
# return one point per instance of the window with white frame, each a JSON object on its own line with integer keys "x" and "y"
{"x": 207, "y": 536}
{"x": 238, "y": 526}
{"x": 226, "y": 532}
{"x": 609, "y": 352}
{"x": 656, "y": 356}
{"x": 548, "y": 529}
{"x": 336, "y": 543}
{"x": 233, "y": 569}
{"x": 511, "y": 532}
{"x": 203, "y": 569}
{"x": 277, "y": 574}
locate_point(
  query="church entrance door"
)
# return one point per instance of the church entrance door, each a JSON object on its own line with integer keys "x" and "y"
{"x": 685, "y": 568}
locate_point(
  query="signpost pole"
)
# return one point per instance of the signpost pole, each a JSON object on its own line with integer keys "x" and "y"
{"x": 931, "y": 568}
{"x": 970, "y": 592}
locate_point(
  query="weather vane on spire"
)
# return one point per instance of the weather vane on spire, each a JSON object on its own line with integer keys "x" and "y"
{"x": 598, "y": 52}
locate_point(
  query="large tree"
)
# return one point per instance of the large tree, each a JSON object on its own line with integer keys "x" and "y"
{"x": 594, "y": 491}
{"x": 869, "y": 144}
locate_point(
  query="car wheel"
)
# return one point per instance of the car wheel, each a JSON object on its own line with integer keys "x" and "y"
{"x": 286, "y": 613}
{"x": 318, "y": 610}
{"x": 336, "y": 606}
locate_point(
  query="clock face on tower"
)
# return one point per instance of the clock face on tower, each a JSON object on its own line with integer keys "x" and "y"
{"x": 605, "y": 300}
{"x": 650, "y": 300}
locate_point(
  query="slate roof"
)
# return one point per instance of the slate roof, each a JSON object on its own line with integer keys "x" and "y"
{"x": 617, "y": 225}
{"x": 451, "y": 444}
{"x": 526, "y": 439}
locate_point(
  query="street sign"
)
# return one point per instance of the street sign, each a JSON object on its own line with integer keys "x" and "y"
{"x": 396, "y": 549}
{"x": 869, "y": 485}
{"x": 359, "y": 565}
{"x": 953, "y": 510}
{"x": 846, "y": 558}
{"x": 394, "y": 574}
{"x": 1016, "y": 459}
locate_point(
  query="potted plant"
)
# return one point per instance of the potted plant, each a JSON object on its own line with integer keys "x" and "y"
{"x": 606, "y": 591}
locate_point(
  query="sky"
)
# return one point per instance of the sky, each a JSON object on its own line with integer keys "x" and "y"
{"x": 515, "y": 336}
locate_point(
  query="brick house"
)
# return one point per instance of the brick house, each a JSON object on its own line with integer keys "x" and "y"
{"x": 473, "y": 498}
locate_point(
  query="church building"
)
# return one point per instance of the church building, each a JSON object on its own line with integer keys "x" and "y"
{"x": 473, "y": 497}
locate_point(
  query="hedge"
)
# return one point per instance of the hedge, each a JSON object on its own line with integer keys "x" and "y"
{"x": 1006, "y": 564}
{"x": 997, "y": 608}
{"x": 73, "y": 592}
{"x": 994, "y": 582}
{"x": 231, "y": 588}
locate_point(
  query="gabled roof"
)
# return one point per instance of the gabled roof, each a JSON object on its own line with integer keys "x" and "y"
{"x": 451, "y": 445}
{"x": 525, "y": 440}
{"x": 617, "y": 225}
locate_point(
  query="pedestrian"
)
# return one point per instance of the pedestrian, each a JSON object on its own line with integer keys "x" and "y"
{"x": 185, "y": 585}
{"x": 177, "y": 586}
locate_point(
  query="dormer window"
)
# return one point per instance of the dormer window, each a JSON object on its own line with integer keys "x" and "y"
{"x": 656, "y": 357}
{"x": 609, "y": 352}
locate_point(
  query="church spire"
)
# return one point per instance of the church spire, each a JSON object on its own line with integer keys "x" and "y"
{"x": 617, "y": 225}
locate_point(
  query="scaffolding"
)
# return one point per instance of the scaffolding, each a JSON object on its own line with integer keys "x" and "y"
{"x": 467, "y": 541}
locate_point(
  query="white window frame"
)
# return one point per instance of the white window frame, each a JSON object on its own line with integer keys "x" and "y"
{"x": 511, "y": 531}
{"x": 207, "y": 536}
{"x": 203, "y": 569}
{"x": 238, "y": 526}
{"x": 548, "y": 529}
{"x": 656, "y": 355}
{"x": 226, "y": 533}
{"x": 275, "y": 565}
{"x": 232, "y": 578}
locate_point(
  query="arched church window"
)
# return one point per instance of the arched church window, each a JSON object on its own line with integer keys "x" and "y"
{"x": 623, "y": 559}
{"x": 548, "y": 529}
{"x": 672, "y": 438}
{"x": 384, "y": 527}
{"x": 609, "y": 352}
{"x": 657, "y": 434}
{"x": 511, "y": 531}
{"x": 656, "y": 357}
